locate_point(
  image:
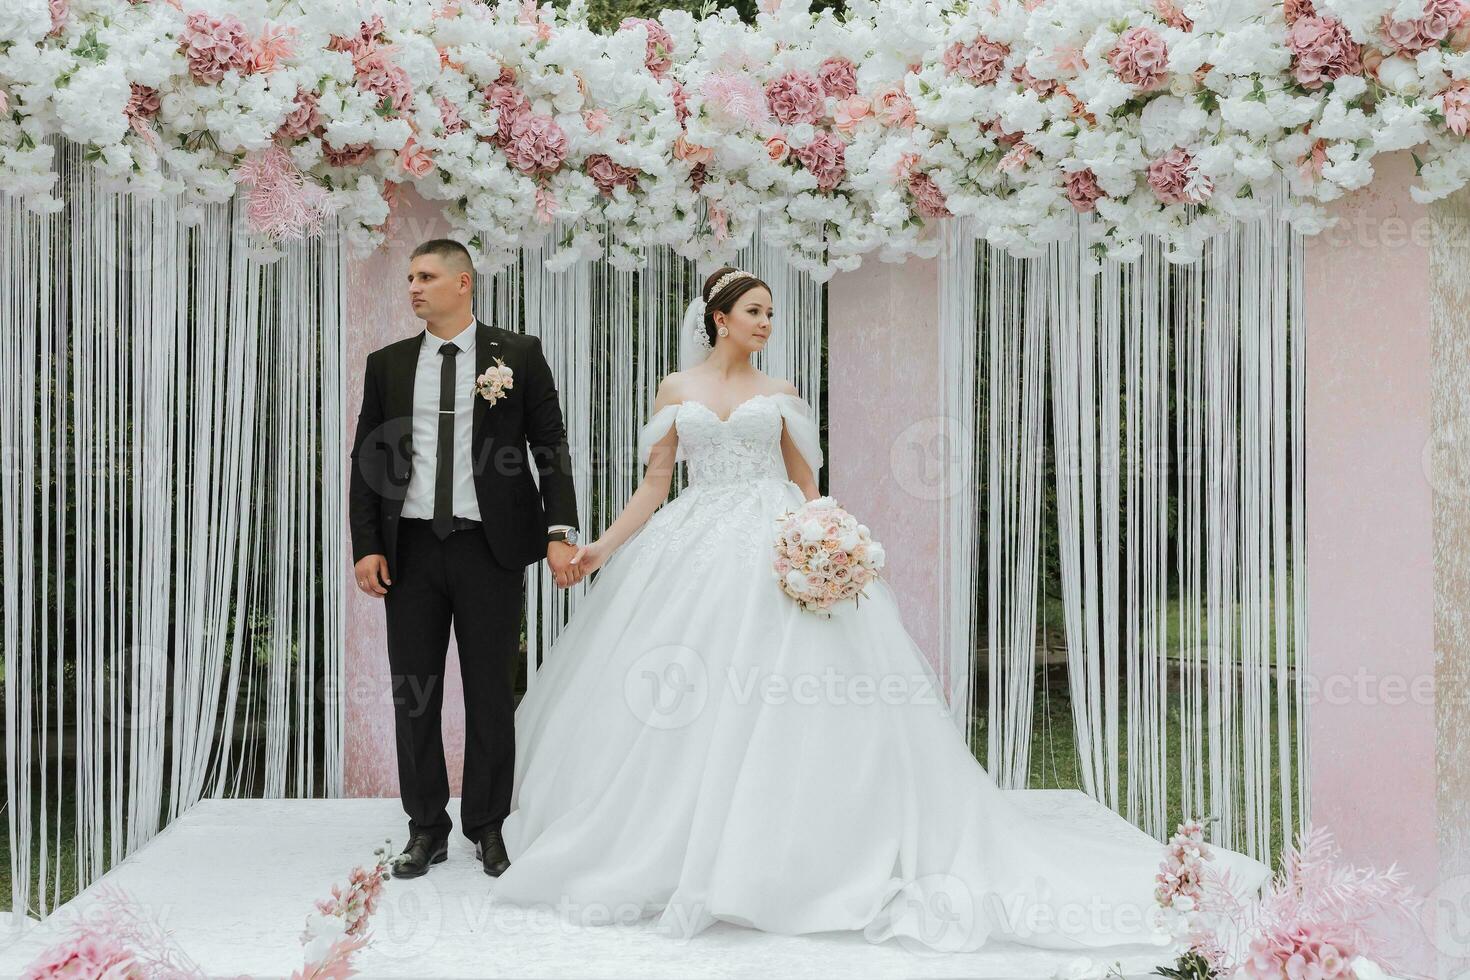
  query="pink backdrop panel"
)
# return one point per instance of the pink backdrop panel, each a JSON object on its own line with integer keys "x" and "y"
{"x": 1370, "y": 572}
{"x": 378, "y": 313}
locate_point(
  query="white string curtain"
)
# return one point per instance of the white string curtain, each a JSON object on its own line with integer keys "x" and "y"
{"x": 610, "y": 337}
{"x": 1162, "y": 376}
{"x": 172, "y": 501}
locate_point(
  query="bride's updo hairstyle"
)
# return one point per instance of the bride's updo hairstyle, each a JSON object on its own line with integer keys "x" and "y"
{"x": 724, "y": 301}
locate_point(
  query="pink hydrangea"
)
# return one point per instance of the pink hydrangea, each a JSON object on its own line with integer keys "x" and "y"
{"x": 1041, "y": 86}
{"x": 303, "y": 120}
{"x": 1321, "y": 50}
{"x": 893, "y": 107}
{"x": 681, "y": 103}
{"x": 449, "y": 112}
{"x": 349, "y": 156}
{"x": 1455, "y": 102}
{"x": 826, "y": 157}
{"x": 980, "y": 60}
{"x": 377, "y": 74}
{"x": 1294, "y": 9}
{"x": 1170, "y": 13}
{"x": 838, "y": 77}
{"x": 606, "y": 174}
{"x": 1140, "y": 57}
{"x": 659, "y": 57}
{"x": 929, "y": 200}
{"x": 795, "y": 97}
{"x": 214, "y": 45}
{"x": 87, "y": 955}
{"x": 60, "y": 11}
{"x": 143, "y": 103}
{"x": 511, "y": 104}
{"x": 1082, "y": 189}
{"x": 536, "y": 144}
{"x": 1175, "y": 179}
{"x": 1440, "y": 17}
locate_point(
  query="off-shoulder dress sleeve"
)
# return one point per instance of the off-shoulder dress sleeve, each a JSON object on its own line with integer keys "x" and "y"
{"x": 655, "y": 429}
{"x": 801, "y": 422}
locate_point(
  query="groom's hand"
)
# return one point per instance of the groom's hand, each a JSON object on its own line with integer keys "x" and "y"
{"x": 372, "y": 575}
{"x": 559, "y": 557}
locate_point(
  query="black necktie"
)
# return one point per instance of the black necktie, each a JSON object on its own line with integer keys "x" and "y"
{"x": 444, "y": 471}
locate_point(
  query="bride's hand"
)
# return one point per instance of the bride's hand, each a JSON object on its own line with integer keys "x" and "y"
{"x": 589, "y": 557}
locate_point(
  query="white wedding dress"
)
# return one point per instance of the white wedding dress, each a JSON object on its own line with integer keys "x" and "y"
{"x": 698, "y": 747}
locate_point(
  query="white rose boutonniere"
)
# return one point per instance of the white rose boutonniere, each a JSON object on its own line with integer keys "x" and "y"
{"x": 495, "y": 382}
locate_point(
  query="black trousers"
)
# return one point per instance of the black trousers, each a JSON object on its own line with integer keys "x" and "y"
{"x": 435, "y": 583}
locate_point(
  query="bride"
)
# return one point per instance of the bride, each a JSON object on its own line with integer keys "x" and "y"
{"x": 698, "y": 747}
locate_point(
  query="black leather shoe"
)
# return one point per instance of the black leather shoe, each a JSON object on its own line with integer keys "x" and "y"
{"x": 421, "y": 851}
{"x": 490, "y": 849}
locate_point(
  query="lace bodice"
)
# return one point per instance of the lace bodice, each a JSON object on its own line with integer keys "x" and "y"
{"x": 744, "y": 446}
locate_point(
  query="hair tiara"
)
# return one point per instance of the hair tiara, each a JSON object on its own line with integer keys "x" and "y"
{"x": 728, "y": 278}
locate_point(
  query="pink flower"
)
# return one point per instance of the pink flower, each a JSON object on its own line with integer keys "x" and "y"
{"x": 825, "y": 157}
{"x": 777, "y": 148}
{"x": 606, "y": 174}
{"x": 415, "y": 159}
{"x": 719, "y": 221}
{"x": 681, "y": 103}
{"x": 929, "y": 200}
{"x": 849, "y": 112}
{"x": 529, "y": 17}
{"x": 349, "y": 156}
{"x": 1310, "y": 164}
{"x": 659, "y": 57}
{"x": 1439, "y": 19}
{"x": 838, "y": 77}
{"x": 449, "y": 112}
{"x": 303, "y": 120}
{"x": 545, "y": 206}
{"x": 377, "y": 74}
{"x": 1017, "y": 156}
{"x": 86, "y": 955}
{"x": 536, "y": 144}
{"x": 980, "y": 60}
{"x": 1175, "y": 179}
{"x": 685, "y": 150}
{"x": 272, "y": 47}
{"x": 893, "y": 107}
{"x": 904, "y": 166}
{"x": 795, "y": 97}
{"x": 60, "y": 10}
{"x": 1321, "y": 50}
{"x": 1041, "y": 86}
{"x": 736, "y": 96}
{"x": 1455, "y": 101}
{"x": 143, "y": 103}
{"x": 1140, "y": 58}
{"x": 1170, "y": 14}
{"x": 594, "y": 120}
{"x": 511, "y": 105}
{"x": 697, "y": 175}
{"x": 1298, "y": 8}
{"x": 214, "y": 45}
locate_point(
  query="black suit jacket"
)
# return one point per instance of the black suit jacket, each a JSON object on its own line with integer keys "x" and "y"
{"x": 514, "y": 512}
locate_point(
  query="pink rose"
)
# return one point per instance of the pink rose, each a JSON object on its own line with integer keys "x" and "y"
{"x": 893, "y": 107}
{"x": 1455, "y": 101}
{"x": 659, "y": 57}
{"x": 1440, "y": 18}
{"x": 838, "y": 77}
{"x": 1140, "y": 58}
{"x": 685, "y": 150}
{"x": 825, "y": 157}
{"x": 1175, "y": 179}
{"x": 606, "y": 174}
{"x": 214, "y": 45}
{"x": 795, "y": 97}
{"x": 536, "y": 144}
{"x": 776, "y": 148}
{"x": 415, "y": 159}
{"x": 1321, "y": 50}
{"x": 929, "y": 200}
{"x": 980, "y": 60}
{"x": 849, "y": 112}
{"x": 1082, "y": 190}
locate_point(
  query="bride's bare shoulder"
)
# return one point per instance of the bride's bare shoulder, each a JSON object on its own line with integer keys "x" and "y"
{"x": 670, "y": 390}
{"x": 779, "y": 386}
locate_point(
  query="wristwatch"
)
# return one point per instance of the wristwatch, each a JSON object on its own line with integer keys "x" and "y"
{"x": 569, "y": 535}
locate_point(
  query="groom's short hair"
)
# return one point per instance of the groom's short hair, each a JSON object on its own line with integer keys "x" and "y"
{"x": 455, "y": 256}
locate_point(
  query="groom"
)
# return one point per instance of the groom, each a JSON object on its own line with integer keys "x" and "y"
{"x": 445, "y": 515}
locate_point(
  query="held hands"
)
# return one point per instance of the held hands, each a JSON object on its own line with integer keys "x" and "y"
{"x": 589, "y": 557}
{"x": 559, "y": 557}
{"x": 372, "y": 575}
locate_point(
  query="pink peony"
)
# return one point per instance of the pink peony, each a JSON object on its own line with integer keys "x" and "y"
{"x": 377, "y": 74}
{"x": 1440, "y": 18}
{"x": 86, "y": 955}
{"x": 980, "y": 60}
{"x": 825, "y": 157}
{"x": 1455, "y": 101}
{"x": 850, "y": 112}
{"x": 536, "y": 144}
{"x": 659, "y": 57}
{"x": 1321, "y": 50}
{"x": 928, "y": 198}
{"x": 795, "y": 97}
{"x": 838, "y": 77}
{"x": 449, "y": 112}
{"x": 606, "y": 174}
{"x": 1082, "y": 190}
{"x": 1140, "y": 58}
{"x": 215, "y": 45}
{"x": 303, "y": 120}
{"x": 1175, "y": 179}
{"x": 893, "y": 107}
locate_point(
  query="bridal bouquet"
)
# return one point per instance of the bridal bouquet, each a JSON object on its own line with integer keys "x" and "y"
{"x": 823, "y": 555}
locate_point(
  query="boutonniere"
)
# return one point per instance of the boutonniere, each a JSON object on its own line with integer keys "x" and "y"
{"x": 493, "y": 384}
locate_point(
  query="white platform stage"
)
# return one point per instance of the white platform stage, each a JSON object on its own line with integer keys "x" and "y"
{"x": 233, "y": 881}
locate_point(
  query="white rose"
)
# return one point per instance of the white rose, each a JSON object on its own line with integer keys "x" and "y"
{"x": 811, "y": 531}
{"x": 1401, "y": 75}
{"x": 796, "y": 581}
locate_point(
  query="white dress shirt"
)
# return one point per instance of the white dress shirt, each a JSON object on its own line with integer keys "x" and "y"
{"x": 419, "y": 501}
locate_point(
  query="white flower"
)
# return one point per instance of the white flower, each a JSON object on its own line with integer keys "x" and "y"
{"x": 1401, "y": 75}
{"x": 24, "y": 21}
{"x": 91, "y": 108}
